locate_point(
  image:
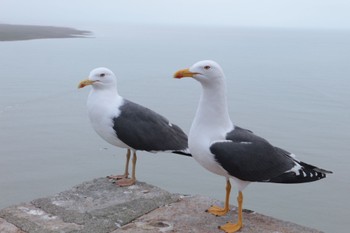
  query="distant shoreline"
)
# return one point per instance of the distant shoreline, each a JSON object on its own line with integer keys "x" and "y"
{"x": 12, "y": 32}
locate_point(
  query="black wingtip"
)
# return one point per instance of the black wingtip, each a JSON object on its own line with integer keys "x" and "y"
{"x": 182, "y": 153}
{"x": 304, "y": 175}
{"x": 322, "y": 171}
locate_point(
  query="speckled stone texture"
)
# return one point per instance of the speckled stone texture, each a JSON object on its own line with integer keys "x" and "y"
{"x": 188, "y": 215}
{"x": 100, "y": 206}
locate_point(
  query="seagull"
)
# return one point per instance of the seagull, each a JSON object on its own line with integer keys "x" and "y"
{"x": 129, "y": 125}
{"x": 234, "y": 152}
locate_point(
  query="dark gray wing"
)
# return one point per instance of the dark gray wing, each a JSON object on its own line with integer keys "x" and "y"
{"x": 144, "y": 129}
{"x": 251, "y": 158}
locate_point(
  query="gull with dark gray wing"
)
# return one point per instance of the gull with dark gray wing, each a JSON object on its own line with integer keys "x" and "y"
{"x": 233, "y": 152}
{"x": 126, "y": 124}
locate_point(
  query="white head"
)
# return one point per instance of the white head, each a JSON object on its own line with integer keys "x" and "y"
{"x": 100, "y": 78}
{"x": 206, "y": 72}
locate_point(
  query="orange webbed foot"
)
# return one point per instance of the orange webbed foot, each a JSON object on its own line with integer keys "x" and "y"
{"x": 117, "y": 177}
{"x": 230, "y": 227}
{"x": 218, "y": 211}
{"x": 126, "y": 182}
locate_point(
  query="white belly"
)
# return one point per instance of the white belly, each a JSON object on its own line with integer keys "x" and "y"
{"x": 205, "y": 158}
{"x": 101, "y": 118}
{"x": 104, "y": 128}
{"x": 201, "y": 153}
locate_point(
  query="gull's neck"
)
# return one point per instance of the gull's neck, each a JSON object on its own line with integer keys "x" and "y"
{"x": 105, "y": 95}
{"x": 212, "y": 117}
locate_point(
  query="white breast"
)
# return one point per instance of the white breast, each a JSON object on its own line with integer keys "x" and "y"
{"x": 102, "y": 109}
{"x": 199, "y": 145}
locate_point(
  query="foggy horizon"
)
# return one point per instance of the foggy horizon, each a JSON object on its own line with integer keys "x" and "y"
{"x": 313, "y": 14}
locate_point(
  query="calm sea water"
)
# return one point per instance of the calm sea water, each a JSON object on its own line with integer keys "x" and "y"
{"x": 291, "y": 87}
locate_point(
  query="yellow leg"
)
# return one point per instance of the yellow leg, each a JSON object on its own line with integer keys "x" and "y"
{"x": 132, "y": 180}
{"x": 134, "y": 160}
{"x": 218, "y": 211}
{"x": 126, "y": 172}
{"x": 230, "y": 227}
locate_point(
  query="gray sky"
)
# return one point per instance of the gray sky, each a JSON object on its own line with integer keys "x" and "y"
{"x": 253, "y": 13}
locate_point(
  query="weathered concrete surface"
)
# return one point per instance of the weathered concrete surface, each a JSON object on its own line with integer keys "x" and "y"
{"x": 95, "y": 206}
{"x": 7, "y": 227}
{"x": 188, "y": 215}
{"x": 100, "y": 206}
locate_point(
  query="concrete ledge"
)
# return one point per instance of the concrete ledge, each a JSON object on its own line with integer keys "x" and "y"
{"x": 100, "y": 206}
{"x": 188, "y": 215}
{"x": 7, "y": 227}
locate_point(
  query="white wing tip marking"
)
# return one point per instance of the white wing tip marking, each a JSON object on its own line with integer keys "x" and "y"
{"x": 296, "y": 169}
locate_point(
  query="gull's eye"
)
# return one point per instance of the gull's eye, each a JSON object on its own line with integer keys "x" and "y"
{"x": 102, "y": 75}
{"x": 207, "y": 67}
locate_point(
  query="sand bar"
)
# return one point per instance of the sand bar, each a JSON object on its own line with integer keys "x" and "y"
{"x": 11, "y": 32}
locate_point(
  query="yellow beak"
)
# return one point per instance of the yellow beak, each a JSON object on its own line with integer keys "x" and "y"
{"x": 184, "y": 73}
{"x": 85, "y": 82}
